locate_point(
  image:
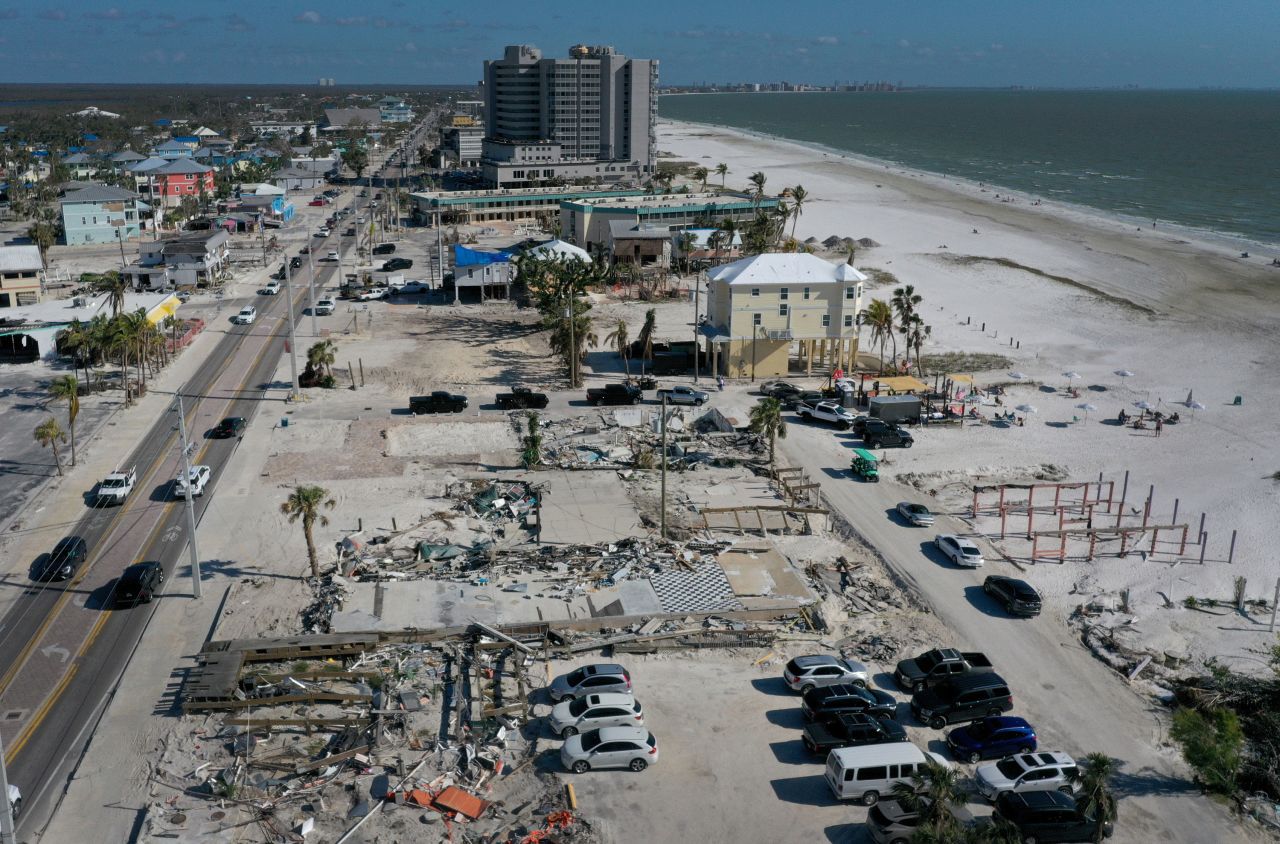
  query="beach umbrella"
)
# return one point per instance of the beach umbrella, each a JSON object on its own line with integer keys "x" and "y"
{"x": 1190, "y": 397}
{"x": 1071, "y": 375}
{"x": 1086, "y": 407}
{"x": 1124, "y": 373}
{"x": 1195, "y": 405}
{"x": 1017, "y": 376}
{"x": 1145, "y": 405}
{"x": 1026, "y": 408}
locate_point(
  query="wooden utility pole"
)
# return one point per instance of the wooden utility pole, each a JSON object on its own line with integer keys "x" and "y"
{"x": 663, "y": 430}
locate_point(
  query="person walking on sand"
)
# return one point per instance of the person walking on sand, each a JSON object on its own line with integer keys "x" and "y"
{"x": 1159, "y": 425}
{"x": 720, "y": 383}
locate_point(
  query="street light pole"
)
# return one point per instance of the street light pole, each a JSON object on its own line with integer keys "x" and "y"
{"x": 311, "y": 286}
{"x": 191, "y": 506}
{"x": 293, "y": 337}
{"x": 697, "y": 283}
{"x": 7, "y": 835}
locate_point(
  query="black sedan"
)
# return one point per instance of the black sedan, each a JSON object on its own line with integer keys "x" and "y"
{"x": 1018, "y": 597}
{"x": 397, "y": 264}
{"x": 232, "y": 426}
{"x": 63, "y": 560}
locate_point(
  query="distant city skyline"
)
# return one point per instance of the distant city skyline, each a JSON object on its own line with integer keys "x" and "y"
{"x": 1046, "y": 43}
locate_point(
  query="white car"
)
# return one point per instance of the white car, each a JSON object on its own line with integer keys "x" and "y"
{"x": 322, "y": 233}
{"x": 272, "y": 288}
{"x": 1039, "y": 771}
{"x": 197, "y": 479}
{"x": 372, "y": 293}
{"x": 591, "y": 712}
{"x": 960, "y": 551}
{"x": 915, "y": 514}
{"x": 246, "y": 316}
{"x": 324, "y": 307}
{"x": 610, "y": 747}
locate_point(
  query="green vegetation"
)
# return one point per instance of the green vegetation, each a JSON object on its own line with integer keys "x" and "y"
{"x": 49, "y": 433}
{"x": 1228, "y": 725}
{"x": 531, "y": 443}
{"x": 66, "y": 388}
{"x": 556, "y": 285}
{"x": 767, "y": 421}
{"x": 304, "y": 504}
{"x": 1211, "y": 742}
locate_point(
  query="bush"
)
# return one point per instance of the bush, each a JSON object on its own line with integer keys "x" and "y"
{"x": 1211, "y": 743}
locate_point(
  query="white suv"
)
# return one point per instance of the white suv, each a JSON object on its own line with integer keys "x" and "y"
{"x": 246, "y": 316}
{"x": 198, "y": 478}
{"x": 324, "y": 307}
{"x": 591, "y": 712}
{"x": 272, "y": 288}
{"x": 1040, "y": 771}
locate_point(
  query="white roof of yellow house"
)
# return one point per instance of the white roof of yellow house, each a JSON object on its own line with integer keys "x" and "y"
{"x": 785, "y": 268}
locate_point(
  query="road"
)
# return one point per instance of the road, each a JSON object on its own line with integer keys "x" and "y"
{"x": 64, "y": 646}
{"x": 1076, "y": 703}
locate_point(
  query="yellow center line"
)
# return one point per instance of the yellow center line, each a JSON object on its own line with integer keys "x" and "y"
{"x": 43, "y": 711}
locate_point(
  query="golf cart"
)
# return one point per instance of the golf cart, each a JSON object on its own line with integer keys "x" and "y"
{"x": 865, "y": 465}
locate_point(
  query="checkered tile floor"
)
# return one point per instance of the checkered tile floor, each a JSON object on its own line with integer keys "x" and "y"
{"x": 705, "y": 589}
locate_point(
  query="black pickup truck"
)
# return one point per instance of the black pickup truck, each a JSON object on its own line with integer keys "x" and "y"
{"x": 851, "y": 729}
{"x": 614, "y": 394}
{"x": 438, "y": 402}
{"x": 932, "y": 667}
{"x": 520, "y": 398}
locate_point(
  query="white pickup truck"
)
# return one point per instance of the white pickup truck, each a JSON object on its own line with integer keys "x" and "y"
{"x": 826, "y": 411}
{"x": 115, "y": 487}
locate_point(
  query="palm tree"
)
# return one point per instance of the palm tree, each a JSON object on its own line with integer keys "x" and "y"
{"x": 67, "y": 388}
{"x": 646, "y": 335}
{"x": 686, "y": 240}
{"x": 136, "y": 326}
{"x": 766, "y": 420}
{"x": 780, "y": 215}
{"x": 798, "y": 197}
{"x": 114, "y": 286}
{"x": 700, "y": 173}
{"x": 932, "y": 795}
{"x": 757, "y": 180}
{"x": 723, "y": 170}
{"x": 915, "y": 339}
{"x": 77, "y": 341}
{"x": 618, "y": 338}
{"x": 1094, "y": 797}
{"x": 322, "y": 356}
{"x": 905, "y": 300}
{"x": 49, "y": 433}
{"x": 44, "y": 235}
{"x": 730, "y": 229}
{"x": 878, "y": 316}
{"x": 305, "y": 503}
{"x": 716, "y": 240}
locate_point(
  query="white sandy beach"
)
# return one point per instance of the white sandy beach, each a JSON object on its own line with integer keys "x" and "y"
{"x": 1181, "y": 314}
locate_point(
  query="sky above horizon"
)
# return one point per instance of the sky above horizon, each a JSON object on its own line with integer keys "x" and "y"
{"x": 1084, "y": 43}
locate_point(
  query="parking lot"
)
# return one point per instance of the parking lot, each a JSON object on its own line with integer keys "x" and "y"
{"x": 732, "y": 767}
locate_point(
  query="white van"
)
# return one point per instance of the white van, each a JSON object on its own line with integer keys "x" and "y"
{"x": 868, "y": 772}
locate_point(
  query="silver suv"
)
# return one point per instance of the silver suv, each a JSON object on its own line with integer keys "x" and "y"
{"x": 1040, "y": 771}
{"x": 812, "y": 672}
{"x": 598, "y": 678}
{"x": 594, "y": 711}
{"x": 610, "y": 747}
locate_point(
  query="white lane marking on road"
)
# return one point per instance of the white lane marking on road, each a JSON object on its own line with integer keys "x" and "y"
{"x": 50, "y": 650}
{"x": 171, "y": 534}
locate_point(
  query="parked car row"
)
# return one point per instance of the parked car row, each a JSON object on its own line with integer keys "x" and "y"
{"x": 600, "y": 720}
{"x": 867, "y": 752}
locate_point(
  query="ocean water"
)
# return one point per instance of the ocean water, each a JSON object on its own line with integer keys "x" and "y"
{"x": 1208, "y": 160}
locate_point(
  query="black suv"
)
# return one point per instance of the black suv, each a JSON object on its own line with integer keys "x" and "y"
{"x": 1048, "y": 816}
{"x": 438, "y": 402}
{"x": 964, "y": 698}
{"x": 63, "y": 560}
{"x": 384, "y": 249}
{"x": 877, "y": 434}
{"x": 851, "y": 730}
{"x": 139, "y": 583}
{"x": 397, "y": 264}
{"x": 825, "y": 703}
{"x": 295, "y": 262}
{"x": 1019, "y": 597}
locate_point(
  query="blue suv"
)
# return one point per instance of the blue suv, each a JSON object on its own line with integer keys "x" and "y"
{"x": 991, "y": 738}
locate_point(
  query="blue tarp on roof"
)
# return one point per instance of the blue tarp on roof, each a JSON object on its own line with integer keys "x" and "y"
{"x": 464, "y": 257}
